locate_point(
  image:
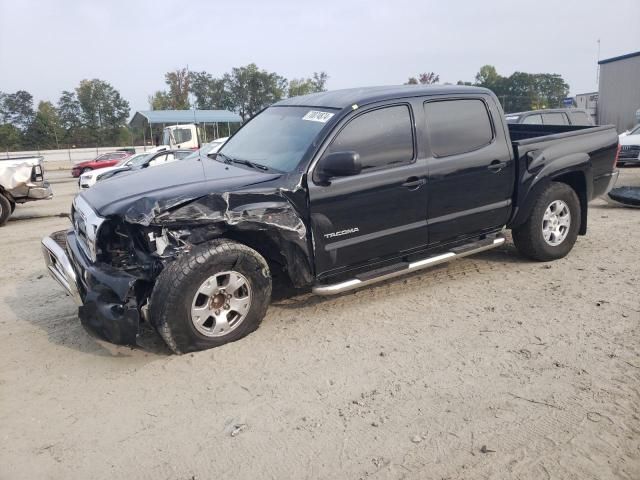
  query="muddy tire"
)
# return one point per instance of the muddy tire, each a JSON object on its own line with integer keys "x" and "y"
{"x": 6, "y": 209}
{"x": 215, "y": 294}
{"x": 552, "y": 228}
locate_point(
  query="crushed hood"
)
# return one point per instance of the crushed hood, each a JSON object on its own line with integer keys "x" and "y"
{"x": 170, "y": 185}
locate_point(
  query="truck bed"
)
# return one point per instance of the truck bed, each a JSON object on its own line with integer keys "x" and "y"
{"x": 538, "y": 146}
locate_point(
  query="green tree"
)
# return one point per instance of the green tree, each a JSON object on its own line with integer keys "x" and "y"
{"x": 488, "y": 76}
{"x": 159, "y": 101}
{"x": 304, "y": 86}
{"x": 252, "y": 89}
{"x": 17, "y": 109}
{"x": 10, "y": 137}
{"x": 177, "y": 96}
{"x": 320, "y": 81}
{"x": 45, "y": 130}
{"x": 210, "y": 93}
{"x": 427, "y": 78}
{"x": 103, "y": 110}
{"x": 523, "y": 91}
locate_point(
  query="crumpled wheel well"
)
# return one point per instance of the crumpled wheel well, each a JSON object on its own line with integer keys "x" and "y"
{"x": 288, "y": 264}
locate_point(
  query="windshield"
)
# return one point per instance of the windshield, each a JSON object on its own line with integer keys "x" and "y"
{"x": 205, "y": 149}
{"x": 635, "y": 130}
{"x": 137, "y": 161}
{"x": 127, "y": 160}
{"x": 278, "y": 137}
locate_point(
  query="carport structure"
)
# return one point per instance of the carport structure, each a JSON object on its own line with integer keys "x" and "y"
{"x": 217, "y": 119}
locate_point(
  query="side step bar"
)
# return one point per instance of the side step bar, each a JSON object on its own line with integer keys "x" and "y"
{"x": 396, "y": 270}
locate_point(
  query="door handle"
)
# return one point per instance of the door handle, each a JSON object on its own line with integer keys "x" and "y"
{"x": 413, "y": 183}
{"x": 496, "y": 166}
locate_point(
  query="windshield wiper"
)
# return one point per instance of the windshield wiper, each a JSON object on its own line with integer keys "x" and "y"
{"x": 225, "y": 158}
{"x": 249, "y": 164}
{"x": 228, "y": 160}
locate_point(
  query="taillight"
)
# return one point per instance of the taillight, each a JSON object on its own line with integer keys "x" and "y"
{"x": 615, "y": 161}
{"x": 37, "y": 174}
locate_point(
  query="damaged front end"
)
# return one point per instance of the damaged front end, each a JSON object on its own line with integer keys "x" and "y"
{"x": 116, "y": 260}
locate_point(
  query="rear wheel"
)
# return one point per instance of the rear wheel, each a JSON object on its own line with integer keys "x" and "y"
{"x": 552, "y": 228}
{"x": 215, "y": 294}
{"x": 6, "y": 209}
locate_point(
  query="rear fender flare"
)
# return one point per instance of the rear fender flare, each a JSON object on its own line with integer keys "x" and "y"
{"x": 574, "y": 170}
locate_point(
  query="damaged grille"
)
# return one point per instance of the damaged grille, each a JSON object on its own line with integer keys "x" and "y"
{"x": 86, "y": 224}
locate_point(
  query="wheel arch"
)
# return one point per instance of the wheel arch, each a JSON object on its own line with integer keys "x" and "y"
{"x": 578, "y": 183}
{"x": 286, "y": 259}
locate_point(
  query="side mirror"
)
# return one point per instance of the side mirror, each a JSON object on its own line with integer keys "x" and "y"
{"x": 339, "y": 164}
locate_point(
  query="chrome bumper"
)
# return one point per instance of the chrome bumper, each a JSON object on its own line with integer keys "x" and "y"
{"x": 40, "y": 193}
{"x": 60, "y": 268}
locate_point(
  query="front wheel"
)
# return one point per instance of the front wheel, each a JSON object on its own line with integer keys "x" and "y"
{"x": 552, "y": 228}
{"x": 85, "y": 170}
{"x": 215, "y": 294}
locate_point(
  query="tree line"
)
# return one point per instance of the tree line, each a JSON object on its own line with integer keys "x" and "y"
{"x": 522, "y": 91}
{"x": 95, "y": 113}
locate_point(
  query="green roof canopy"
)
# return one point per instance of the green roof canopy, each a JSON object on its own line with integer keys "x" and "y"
{"x": 173, "y": 117}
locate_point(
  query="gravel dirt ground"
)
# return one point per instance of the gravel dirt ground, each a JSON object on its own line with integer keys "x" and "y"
{"x": 489, "y": 367}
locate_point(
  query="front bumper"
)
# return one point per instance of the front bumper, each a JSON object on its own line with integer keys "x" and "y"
{"x": 106, "y": 297}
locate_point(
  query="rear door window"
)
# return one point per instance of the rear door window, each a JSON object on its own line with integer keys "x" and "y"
{"x": 532, "y": 120}
{"x": 382, "y": 137}
{"x": 457, "y": 126}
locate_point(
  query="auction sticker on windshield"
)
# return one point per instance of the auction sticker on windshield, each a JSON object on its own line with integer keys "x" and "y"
{"x": 317, "y": 116}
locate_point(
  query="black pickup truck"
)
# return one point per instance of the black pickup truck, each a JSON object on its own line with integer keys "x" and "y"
{"x": 330, "y": 191}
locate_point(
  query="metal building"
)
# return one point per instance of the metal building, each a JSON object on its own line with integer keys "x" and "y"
{"x": 619, "y": 91}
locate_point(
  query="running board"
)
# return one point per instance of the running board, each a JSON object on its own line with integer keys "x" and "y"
{"x": 392, "y": 271}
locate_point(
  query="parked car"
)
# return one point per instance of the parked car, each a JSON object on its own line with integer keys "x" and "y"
{"x": 159, "y": 156}
{"x": 630, "y": 147}
{"x": 552, "y": 116}
{"x": 330, "y": 191}
{"x": 104, "y": 160}
{"x": 21, "y": 180}
{"x": 209, "y": 148}
{"x": 89, "y": 178}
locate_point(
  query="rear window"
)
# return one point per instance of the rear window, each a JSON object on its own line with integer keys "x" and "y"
{"x": 532, "y": 120}
{"x": 556, "y": 118}
{"x": 457, "y": 126}
{"x": 580, "y": 118}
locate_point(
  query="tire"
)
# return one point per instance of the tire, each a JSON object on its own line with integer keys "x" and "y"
{"x": 529, "y": 238}
{"x": 85, "y": 170}
{"x": 6, "y": 208}
{"x": 178, "y": 292}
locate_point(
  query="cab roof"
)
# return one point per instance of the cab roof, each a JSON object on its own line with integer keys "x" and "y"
{"x": 362, "y": 96}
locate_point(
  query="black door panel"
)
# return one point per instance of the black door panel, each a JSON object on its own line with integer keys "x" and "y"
{"x": 357, "y": 220}
{"x": 381, "y": 211}
{"x": 471, "y": 181}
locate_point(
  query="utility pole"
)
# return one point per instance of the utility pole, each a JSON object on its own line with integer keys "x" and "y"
{"x": 598, "y": 67}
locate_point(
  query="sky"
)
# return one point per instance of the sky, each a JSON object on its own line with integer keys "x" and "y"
{"x": 49, "y": 46}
